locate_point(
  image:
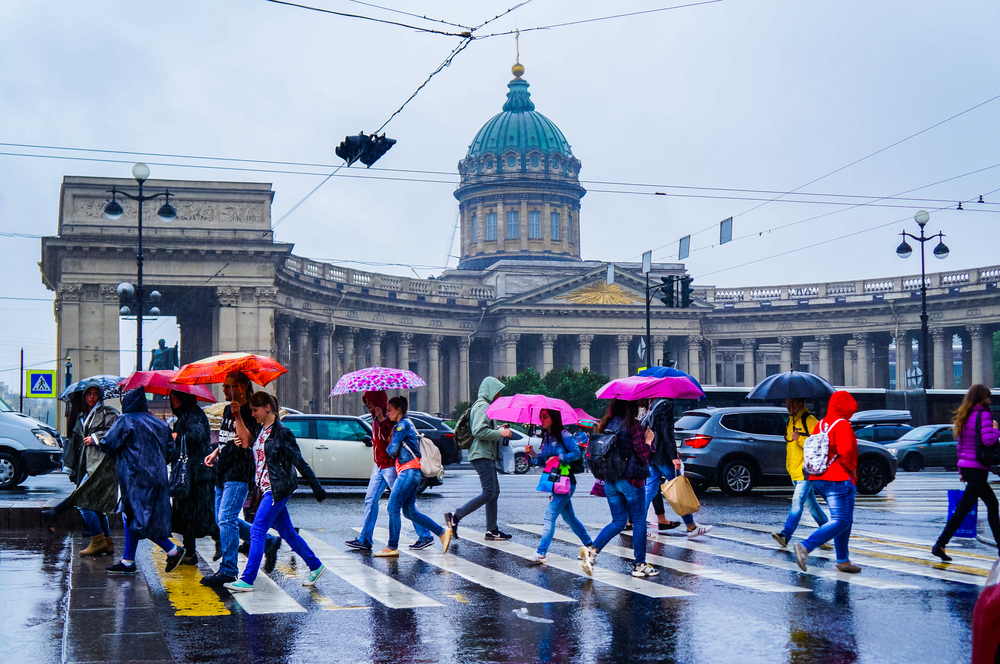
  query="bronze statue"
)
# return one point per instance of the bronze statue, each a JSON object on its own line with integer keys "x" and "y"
{"x": 163, "y": 357}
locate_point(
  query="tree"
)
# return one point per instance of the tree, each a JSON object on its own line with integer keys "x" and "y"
{"x": 525, "y": 382}
{"x": 460, "y": 408}
{"x": 577, "y": 388}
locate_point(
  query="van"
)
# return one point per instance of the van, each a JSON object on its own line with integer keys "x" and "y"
{"x": 27, "y": 447}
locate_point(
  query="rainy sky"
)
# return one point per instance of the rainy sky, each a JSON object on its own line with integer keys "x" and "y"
{"x": 722, "y": 106}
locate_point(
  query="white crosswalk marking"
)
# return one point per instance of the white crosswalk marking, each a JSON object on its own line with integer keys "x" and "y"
{"x": 267, "y": 596}
{"x": 371, "y": 582}
{"x": 787, "y": 565}
{"x": 610, "y": 577}
{"x": 897, "y": 564}
{"x": 483, "y": 576}
{"x": 680, "y": 566}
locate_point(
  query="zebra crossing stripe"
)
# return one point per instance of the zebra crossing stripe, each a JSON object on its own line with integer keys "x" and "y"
{"x": 483, "y": 576}
{"x": 787, "y": 565}
{"x": 680, "y": 566}
{"x": 267, "y": 596}
{"x": 370, "y": 581}
{"x": 610, "y": 577}
{"x": 895, "y": 563}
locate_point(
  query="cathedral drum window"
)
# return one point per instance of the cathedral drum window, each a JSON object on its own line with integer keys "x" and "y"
{"x": 491, "y": 225}
{"x": 535, "y": 225}
{"x": 513, "y": 224}
{"x": 534, "y": 162}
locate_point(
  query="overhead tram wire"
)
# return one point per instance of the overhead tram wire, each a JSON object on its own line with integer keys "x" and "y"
{"x": 367, "y": 18}
{"x": 400, "y": 11}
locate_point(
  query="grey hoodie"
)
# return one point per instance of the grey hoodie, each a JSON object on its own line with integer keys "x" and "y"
{"x": 485, "y": 445}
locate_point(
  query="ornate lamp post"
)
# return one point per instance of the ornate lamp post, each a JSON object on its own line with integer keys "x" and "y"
{"x": 133, "y": 299}
{"x": 940, "y": 251}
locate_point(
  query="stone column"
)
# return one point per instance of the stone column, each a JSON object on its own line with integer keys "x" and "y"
{"x": 303, "y": 366}
{"x": 659, "y": 350}
{"x": 904, "y": 358}
{"x": 978, "y": 338}
{"x": 729, "y": 369}
{"x": 548, "y": 343}
{"x": 584, "y": 341}
{"x": 942, "y": 378}
{"x": 403, "y": 350}
{"x": 786, "y": 352}
{"x": 282, "y": 334}
{"x": 375, "y": 338}
{"x": 463, "y": 369}
{"x": 622, "y": 341}
{"x": 825, "y": 357}
{"x": 694, "y": 358}
{"x": 454, "y": 387}
{"x": 325, "y": 381}
{"x": 434, "y": 373}
{"x": 966, "y": 359}
{"x": 864, "y": 361}
{"x": 347, "y": 339}
{"x": 509, "y": 342}
{"x": 749, "y": 366}
{"x": 228, "y": 298}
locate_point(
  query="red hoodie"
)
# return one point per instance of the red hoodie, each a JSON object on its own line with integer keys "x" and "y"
{"x": 381, "y": 433}
{"x": 843, "y": 443}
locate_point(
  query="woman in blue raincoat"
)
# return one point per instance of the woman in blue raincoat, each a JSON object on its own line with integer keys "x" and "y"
{"x": 140, "y": 445}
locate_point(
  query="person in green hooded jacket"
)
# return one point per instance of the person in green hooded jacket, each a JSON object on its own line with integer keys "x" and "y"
{"x": 483, "y": 455}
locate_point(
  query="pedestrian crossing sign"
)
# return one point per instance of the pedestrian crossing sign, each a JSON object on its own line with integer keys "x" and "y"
{"x": 41, "y": 384}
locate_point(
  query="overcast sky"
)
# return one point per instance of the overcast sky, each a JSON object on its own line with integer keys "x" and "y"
{"x": 738, "y": 94}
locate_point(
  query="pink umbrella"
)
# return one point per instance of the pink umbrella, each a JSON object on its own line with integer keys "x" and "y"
{"x": 582, "y": 415}
{"x": 525, "y": 409}
{"x": 160, "y": 382}
{"x": 635, "y": 388}
{"x": 374, "y": 379}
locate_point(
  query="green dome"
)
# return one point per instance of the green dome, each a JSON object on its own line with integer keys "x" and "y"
{"x": 519, "y": 127}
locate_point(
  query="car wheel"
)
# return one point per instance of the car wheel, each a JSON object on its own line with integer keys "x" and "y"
{"x": 912, "y": 463}
{"x": 10, "y": 470}
{"x": 872, "y": 477}
{"x": 521, "y": 464}
{"x": 423, "y": 486}
{"x": 699, "y": 486}
{"x": 736, "y": 478}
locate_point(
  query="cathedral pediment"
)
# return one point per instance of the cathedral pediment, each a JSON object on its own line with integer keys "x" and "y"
{"x": 585, "y": 290}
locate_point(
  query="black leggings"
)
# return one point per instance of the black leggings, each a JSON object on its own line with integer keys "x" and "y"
{"x": 977, "y": 488}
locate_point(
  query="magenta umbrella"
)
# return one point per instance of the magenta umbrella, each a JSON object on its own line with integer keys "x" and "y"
{"x": 374, "y": 379}
{"x": 635, "y": 388}
{"x": 525, "y": 409}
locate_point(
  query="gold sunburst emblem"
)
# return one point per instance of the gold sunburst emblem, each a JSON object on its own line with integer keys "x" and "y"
{"x": 601, "y": 293}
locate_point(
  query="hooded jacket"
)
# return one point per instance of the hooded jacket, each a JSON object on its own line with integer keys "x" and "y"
{"x": 803, "y": 423}
{"x": 139, "y": 443}
{"x": 381, "y": 432}
{"x": 843, "y": 443}
{"x": 967, "y": 436}
{"x": 487, "y": 438}
{"x": 661, "y": 420}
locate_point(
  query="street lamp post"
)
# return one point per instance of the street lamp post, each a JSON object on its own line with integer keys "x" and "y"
{"x": 133, "y": 298}
{"x": 940, "y": 251}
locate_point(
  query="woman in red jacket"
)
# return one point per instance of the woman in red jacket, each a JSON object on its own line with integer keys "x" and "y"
{"x": 838, "y": 484}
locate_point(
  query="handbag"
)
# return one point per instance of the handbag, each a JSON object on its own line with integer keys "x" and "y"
{"x": 680, "y": 494}
{"x": 987, "y": 455}
{"x": 598, "y": 489}
{"x": 180, "y": 477}
{"x": 562, "y": 486}
{"x": 545, "y": 484}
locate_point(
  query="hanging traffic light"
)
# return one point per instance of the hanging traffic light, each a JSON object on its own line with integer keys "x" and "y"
{"x": 351, "y": 148}
{"x": 366, "y": 149}
{"x": 377, "y": 147}
{"x": 667, "y": 290}
{"x": 686, "y": 291}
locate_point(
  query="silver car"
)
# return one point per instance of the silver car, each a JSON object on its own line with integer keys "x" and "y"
{"x": 743, "y": 448}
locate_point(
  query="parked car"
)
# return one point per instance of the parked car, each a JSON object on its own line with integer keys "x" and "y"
{"x": 442, "y": 435}
{"x": 518, "y": 441}
{"x": 929, "y": 445}
{"x": 743, "y": 448}
{"x": 985, "y": 618}
{"x": 881, "y": 426}
{"x": 337, "y": 447}
{"x": 27, "y": 447}
{"x": 882, "y": 433}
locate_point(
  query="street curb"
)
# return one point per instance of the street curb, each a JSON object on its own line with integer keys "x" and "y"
{"x": 27, "y": 514}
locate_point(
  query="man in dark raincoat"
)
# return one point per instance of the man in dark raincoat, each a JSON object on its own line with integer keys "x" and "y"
{"x": 139, "y": 444}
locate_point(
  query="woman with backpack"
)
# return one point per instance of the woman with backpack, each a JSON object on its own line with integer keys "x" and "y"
{"x": 625, "y": 472}
{"x": 557, "y": 442}
{"x": 405, "y": 448}
{"x": 975, "y": 430}
{"x": 837, "y": 481}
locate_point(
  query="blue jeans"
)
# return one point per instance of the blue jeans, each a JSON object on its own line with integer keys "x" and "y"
{"x": 625, "y": 501}
{"x": 560, "y": 505}
{"x": 380, "y": 479}
{"x": 803, "y": 496}
{"x": 840, "y": 499}
{"x": 274, "y": 514}
{"x": 96, "y": 523}
{"x": 228, "y": 503}
{"x": 132, "y": 542}
{"x": 404, "y": 496}
{"x": 653, "y": 485}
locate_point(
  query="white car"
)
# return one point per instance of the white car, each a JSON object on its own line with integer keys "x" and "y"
{"x": 512, "y": 456}
{"x": 337, "y": 447}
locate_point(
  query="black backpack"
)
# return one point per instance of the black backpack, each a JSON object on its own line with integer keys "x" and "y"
{"x": 987, "y": 455}
{"x": 605, "y": 457}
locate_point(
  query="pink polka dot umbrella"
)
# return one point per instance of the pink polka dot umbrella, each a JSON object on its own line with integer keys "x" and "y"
{"x": 373, "y": 379}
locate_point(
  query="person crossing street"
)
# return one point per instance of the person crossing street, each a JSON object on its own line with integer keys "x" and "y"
{"x": 801, "y": 424}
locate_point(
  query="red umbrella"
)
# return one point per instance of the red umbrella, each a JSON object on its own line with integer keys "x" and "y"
{"x": 161, "y": 382}
{"x": 259, "y": 369}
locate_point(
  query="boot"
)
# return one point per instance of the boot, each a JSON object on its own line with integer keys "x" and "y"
{"x": 109, "y": 546}
{"x": 97, "y": 546}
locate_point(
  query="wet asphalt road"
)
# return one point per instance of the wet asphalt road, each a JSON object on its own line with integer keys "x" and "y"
{"x": 744, "y": 605}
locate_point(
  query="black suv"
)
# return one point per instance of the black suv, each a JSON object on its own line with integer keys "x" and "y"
{"x": 442, "y": 435}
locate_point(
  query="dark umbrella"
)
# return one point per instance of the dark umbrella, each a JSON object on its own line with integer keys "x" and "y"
{"x": 661, "y": 372}
{"x": 107, "y": 383}
{"x": 791, "y": 385}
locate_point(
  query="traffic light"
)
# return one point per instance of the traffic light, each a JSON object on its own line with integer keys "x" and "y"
{"x": 668, "y": 291}
{"x": 366, "y": 149}
{"x": 686, "y": 291}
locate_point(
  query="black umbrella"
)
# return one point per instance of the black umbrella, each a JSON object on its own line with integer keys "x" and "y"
{"x": 791, "y": 385}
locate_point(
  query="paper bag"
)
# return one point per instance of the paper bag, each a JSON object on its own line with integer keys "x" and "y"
{"x": 680, "y": 494}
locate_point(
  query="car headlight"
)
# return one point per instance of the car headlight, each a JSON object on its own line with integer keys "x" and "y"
{"x": 891, "y": 450}
{"x": 45, "y": 438}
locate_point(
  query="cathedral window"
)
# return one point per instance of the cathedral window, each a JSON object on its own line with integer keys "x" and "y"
{"x": 534, "y": 225}
{"x": 554, "y": 224}
{"x": 491, "y": 225}
{"x": 475, "y": 227}
{"x": 511, "y": 162}
{"x": 513, "y": 224}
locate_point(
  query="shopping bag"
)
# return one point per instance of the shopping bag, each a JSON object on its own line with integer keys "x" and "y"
{"x": 598, "y": 489}
{"x": 680, "y": 494}
{"x": 544, "y": 484}
{"x": 562, "y": 486}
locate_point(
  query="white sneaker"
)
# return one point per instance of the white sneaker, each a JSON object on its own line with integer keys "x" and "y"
{"x": 588, "y": 557}
{"x": 536, "y": 559}
{"x": 644, "y": 570}
{"x": 699, "y": 531}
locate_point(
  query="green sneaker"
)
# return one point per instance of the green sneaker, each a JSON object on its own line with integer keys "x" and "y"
{"x": 239, "y": 586}
{"x": 314, "y": 575}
